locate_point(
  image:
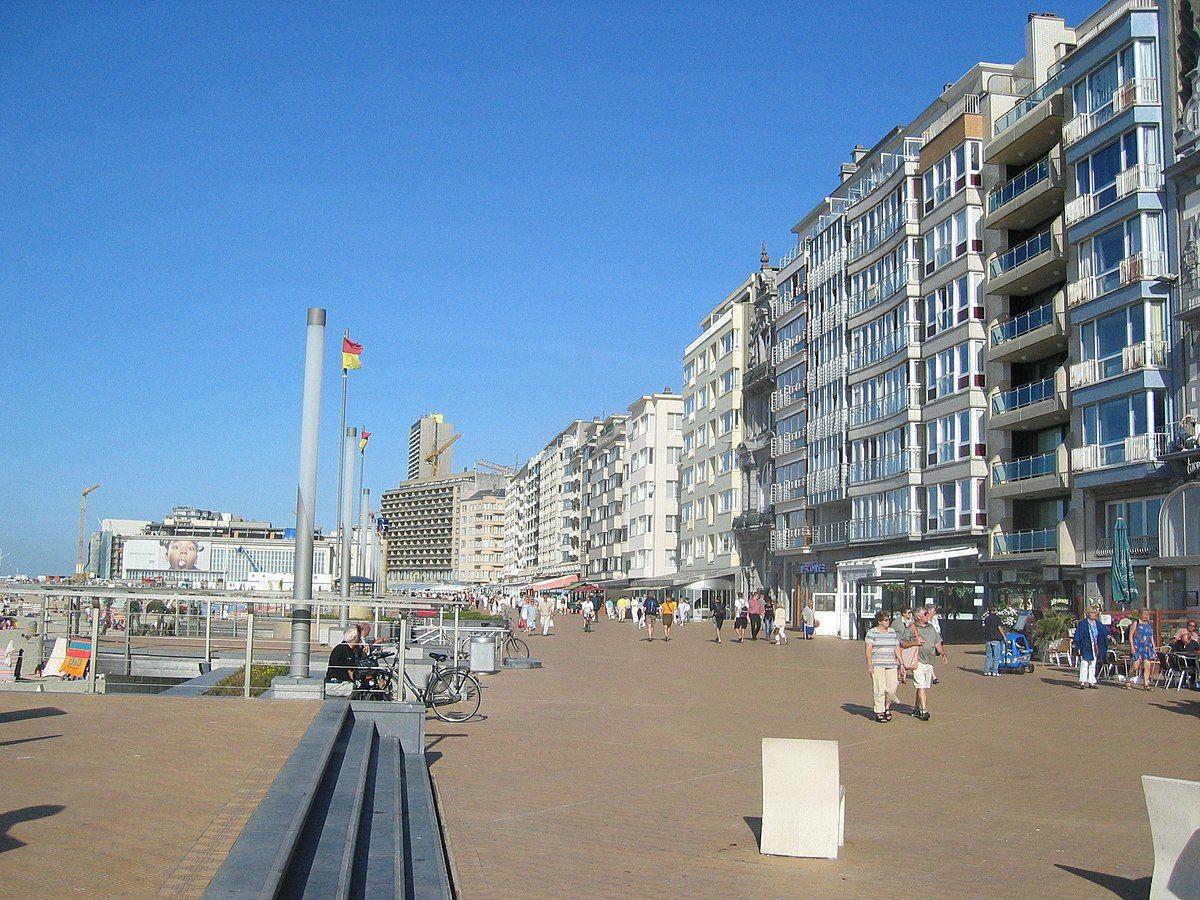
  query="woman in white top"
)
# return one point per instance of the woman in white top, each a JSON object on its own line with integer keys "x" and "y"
{"x": 781, "y": 620}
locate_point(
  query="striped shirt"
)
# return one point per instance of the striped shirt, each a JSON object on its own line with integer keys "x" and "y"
{"x": 884, "y": 646}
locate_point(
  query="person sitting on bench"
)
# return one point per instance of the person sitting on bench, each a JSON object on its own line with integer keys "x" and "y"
{"x": 343, "y": 665}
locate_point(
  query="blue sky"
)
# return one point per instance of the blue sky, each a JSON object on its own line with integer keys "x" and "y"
{"x": 522, "y": 212}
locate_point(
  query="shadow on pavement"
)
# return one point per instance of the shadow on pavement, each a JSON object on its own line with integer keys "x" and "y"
{"x": 43, "y": 737}
{"x": 25, "y": 814}
{"x": 1184, "y": 706}
{"x": 857, "y": 709}
{"x": 1126, "y": 888}
{"x": 755, "y": 825}
{"x": 16, "y": 715}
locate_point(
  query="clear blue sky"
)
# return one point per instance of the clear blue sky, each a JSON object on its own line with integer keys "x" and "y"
{"x": 522, "y": 212}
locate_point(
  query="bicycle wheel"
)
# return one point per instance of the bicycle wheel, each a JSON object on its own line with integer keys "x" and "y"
{"x": 517, "y": 648}
{"x": 455, "y": 696}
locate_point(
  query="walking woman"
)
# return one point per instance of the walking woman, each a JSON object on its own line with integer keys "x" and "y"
{"x": 1145, "y": 654}
{"x": 740, "y": 619}
{"x": 769, "y": 616}
{"x": 649, "y": 612}
{"x": 883, "y": 661}
{"x": 718, "y": 615}
{"x": 668, "y": 608}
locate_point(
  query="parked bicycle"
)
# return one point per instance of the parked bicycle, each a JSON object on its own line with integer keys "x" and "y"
{"x": 454, "y": 694}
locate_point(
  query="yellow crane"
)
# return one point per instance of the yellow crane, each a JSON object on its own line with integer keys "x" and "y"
{"x": 434, "y": 457}
{"x": 82, "y": 527}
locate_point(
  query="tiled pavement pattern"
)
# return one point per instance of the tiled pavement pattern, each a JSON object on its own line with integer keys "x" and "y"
{"x": 126, "y": 796}
{"x": 623, "y": 768}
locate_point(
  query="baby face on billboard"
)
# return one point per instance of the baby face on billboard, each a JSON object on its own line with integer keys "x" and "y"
{"x": 182, "y": 554}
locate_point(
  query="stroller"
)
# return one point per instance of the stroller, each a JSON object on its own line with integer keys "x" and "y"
{"x": 1018, "y": 654}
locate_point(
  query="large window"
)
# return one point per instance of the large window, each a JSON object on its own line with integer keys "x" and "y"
{"x": 1104, "y": 339}
{"x": 952, "y": 173}
{"x": 952, "y": 237}
{"x": 957, "y": 436}
{"x": 956, "y": 504}
{"x": 954, "y": 303}
{"x": 1101, "y": 255}
{"x": 1141, "y": 519}
{"x": 1097, "y": 174}
{"x": 955, "y": 369}
{"x": 1107, "y": 424}
{"x": 1093, "y": 94}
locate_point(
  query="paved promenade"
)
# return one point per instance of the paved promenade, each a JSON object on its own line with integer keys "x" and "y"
{"x": 624, "y": 768}
{"x": 128, "y": 796}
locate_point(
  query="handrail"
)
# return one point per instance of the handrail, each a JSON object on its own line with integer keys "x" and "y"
{"x": 1026, "y": 105}
{"x": 1025, "y": 395}
{"x": 1024, "y": 468}
{"x": 1014, "y": 187}
{"x": 1022, "y": 253}
{"x": 1026, "y": 322}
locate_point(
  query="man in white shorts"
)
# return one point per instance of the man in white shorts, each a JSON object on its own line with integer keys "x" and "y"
{"x": 929, "y": 640}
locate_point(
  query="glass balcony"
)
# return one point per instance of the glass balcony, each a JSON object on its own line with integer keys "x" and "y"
{"x": 866, "y": 470}
{"x": 1023, "y": 252}
{"x": 904, "y": 214}
{"x": 1137, "y": 448}
{"x": 1142, "y": 355}
{"x": 901, "y": 524}
{"x": 888, "y": 405}
{"x": 1035, "y": 174}
{"x": 1024, "y": 468}
{"x": 910, "y": 274}
{"x": 1135, "y": 91}
{"x": 1025, "y": 395}
{"x": 1138, "y": 267}
{"x": 1023, "y": 324}
{"x": 1026, "y": 105}
{"x": 1039, "y": 540}
{"x": 908, "y": 334}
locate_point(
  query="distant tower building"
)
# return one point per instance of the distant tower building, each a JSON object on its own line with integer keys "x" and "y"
{"x": 427, "y": 434}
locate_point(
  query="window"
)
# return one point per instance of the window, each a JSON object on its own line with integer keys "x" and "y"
{"x": 954, "y": 303}
{"x": 952, "y": 237}
{"x": 729, "y": 342}
{"x": 674, "y": 421}
{"x": 1104, "y": 339}
{"x": 1141, "y": 519}
{"x": 955, "y": 369}
{"x": 1107, "y": 424}
{"x": 952, "y": 173}
{"x": 1100, "y": 257}
{"x": 672, "y": 524}
{"x": 727, "y": 382}
{"x": 726, "y": 461}
{"x": 955, "y": 504}
{"x": 729, "y": 421}
{"x": 957, "y": 436}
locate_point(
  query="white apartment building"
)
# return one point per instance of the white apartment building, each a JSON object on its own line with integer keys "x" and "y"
{"x": 604, "y": 463}
{"x": 654, "y": 435}
{"x": 714, "y": 365}
{"x": 481, "y": 537}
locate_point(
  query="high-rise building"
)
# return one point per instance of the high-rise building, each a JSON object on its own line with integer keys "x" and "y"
{"x": 481, "y": 537}
{"x": 654, "y": 438}
{"x": 714, "y": 366}
{"x": 604, "y": 463}
{"x": 425, "y": 436}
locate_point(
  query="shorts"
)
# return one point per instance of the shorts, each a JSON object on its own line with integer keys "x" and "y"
{"x": 923, "y": 675}
{"x": 718, "y": 621}
{"x": 339, "y": 688}
{"x": 740, "y": 622}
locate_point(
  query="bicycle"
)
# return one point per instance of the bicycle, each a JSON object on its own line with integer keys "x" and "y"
{"x": 454, "y": 694}
{"x": 513, "y": 646}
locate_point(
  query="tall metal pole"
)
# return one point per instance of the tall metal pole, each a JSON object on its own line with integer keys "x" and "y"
{"x": 341, "y": 457}
{"x": 362, "y": 468}
{"x": 306, "y": 493}
{"x": 364, "y": 516}
{"x": 349, "y": 439}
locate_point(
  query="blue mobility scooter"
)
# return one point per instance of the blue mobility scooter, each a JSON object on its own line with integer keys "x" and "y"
{"x": 1018, "y": 654}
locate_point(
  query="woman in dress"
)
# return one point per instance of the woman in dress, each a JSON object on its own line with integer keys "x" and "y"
{"x": 1145, "y": 654}
{"x": 718, "y": 615}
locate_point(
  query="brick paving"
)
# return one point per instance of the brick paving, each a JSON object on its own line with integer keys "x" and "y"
{"x": 623, "y": 768}
{"x": 131, "y": 796}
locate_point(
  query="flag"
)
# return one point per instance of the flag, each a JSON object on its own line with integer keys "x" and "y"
{"x": 351, "y": 354}
{"x": 362, "y": 441}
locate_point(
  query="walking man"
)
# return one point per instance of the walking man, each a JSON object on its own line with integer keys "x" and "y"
{"x": 1091, "y": 646}
{"x": 930, "y": 644}
{"x": 993, "y": 636}
{"x": 883, "y": 663}
{"x": 588, "y": 609}
{"x": 718, "y": 615}
{"x": 769, "y": 616}
{"x": 649, "y": 612}
{"x": 756, "y": 615}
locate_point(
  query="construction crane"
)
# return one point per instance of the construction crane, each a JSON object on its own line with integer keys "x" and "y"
{"x": 82, "y": 526}
{"x": 486, "y": 465}
{"x": 434, "y": 457}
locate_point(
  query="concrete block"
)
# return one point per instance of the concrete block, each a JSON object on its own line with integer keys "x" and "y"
{"x": 404, "y": 721}
{"x": 285, "y": 687}
{"x": 1174, "y": 809}
{"x": 804, "y": 803}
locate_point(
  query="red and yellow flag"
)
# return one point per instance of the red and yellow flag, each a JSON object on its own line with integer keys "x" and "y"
{"x": 362, "y": 441}
{"x": 351, "y": 354}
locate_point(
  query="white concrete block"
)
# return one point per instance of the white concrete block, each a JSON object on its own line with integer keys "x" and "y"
{"x": 804, "y": 803}
{"x": 1174, "y": 809}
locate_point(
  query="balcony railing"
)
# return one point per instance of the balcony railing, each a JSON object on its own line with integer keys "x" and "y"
{"x": 1026, "y": 105}
{"x": 785, "y": 491}
{"x": 819, "y": 376}
{"x": 1142, "y": 355}
{"x": 1133, "y": 268}
{"x": 1025, "y": 395}
{"x": 827, "y": 425}
{"x": 867, "y": 470}
{"x": 791, "y": 254}
{"x": 888, "y": 405}
{"x": 790, "y": 539}
{"x": 1135, "y": 91}
{"x": 901, "y": 524}
{"x": 787, "y": 349}
{"x": 1036, "y": 541}
{"x": 1023, "y": 252}
{"x": 887, "y": 166}
{"x": 908, "y": 334}
{"x": 1035, "y": 174}
{"x": 829, "y": 533}
{"x": 968, "y": 103}
{"x": 1137, "y": 448}
{"x": 1141, "y": 546}
{"x": 1013, "y": 328}
{"x": 752, "y": 519}
{"x": 785, "y": 396}
{"x": 1136, "y": 178}
{"x": 1024, "y": 468}
{"x": 878, "y": 293}
{"x": 787, "y": 442}
{"x": 823, "y": 480}
{"x": 786, "y": 302}
{"x": 906, "y": 213}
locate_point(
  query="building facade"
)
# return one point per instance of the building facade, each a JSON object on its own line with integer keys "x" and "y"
{"x": 603, "y": 460}
{"x": 714, "y": 367}
{"x": 654, "y": 435}
{"x": 425, "y": 436}
{"x": 481, "y": 537}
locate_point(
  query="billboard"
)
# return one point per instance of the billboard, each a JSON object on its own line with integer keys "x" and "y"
{"x": 164, "y": 554}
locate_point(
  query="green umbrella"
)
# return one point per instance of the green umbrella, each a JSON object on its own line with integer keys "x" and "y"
{"x": 1124, "y": 589}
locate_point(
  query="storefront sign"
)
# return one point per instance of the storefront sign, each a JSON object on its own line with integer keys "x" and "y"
{"x": 812, "y": 569}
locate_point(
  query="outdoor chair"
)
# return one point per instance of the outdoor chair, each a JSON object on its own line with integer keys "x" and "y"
{"x": 1175, "y": 668}
{"x": 1059, "y": 653}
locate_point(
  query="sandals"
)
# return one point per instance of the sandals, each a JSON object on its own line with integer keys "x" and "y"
{"x": 880, "y": 717}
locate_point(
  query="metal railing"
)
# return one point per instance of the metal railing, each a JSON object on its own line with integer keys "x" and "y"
{"x": 905, "y": 214}
{"x": 888, "y": 405}
{"x": 1024, "y": 468}
{"x": 908, "y": 334}
{"x": 829, "y": 533}
{"x": 1035, "y": 174}
{"x": 867, "y": 470}
{"x": 900, "y": 524}
{"x": 1022, "y": 253}
{"x": 1026, "y": 322}
{"x": 786, "y": 396}
{"x": 967, "y": 104}
{"x": 787, "y": 442}
{"x": 1142, "y": 355}
{"x": 1139, "y": 266}
{"x": 909, "y": 274}
{"x": 1137, "y": 448}
{"x": 1026, "y": 104}
{"x": 785, "y": 491}
{"x": 1038, "y": 540}
{"x": 1134, "y": 92}
{"x": 1141, "y": 546}
{"x": 791, "y": 255}
{"x": 1025, "y": 395}
{"x": 1140, "y": 177}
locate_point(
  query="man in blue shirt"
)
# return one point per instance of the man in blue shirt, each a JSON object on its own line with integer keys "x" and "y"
{"x": 1091, "y": 646}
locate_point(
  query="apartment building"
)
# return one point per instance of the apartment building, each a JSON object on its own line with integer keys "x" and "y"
{"x": 481, "y": 537}
{"x": 604, "y": 461}
{"x": 654, "y": 438}
{"x": 424, "y": 526}
{"x": 543, "y": 512}
{"x": 714, "y": 367}
{"x": 426, "y": 435}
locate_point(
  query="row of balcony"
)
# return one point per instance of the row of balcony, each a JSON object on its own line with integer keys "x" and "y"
{"x": 888, "y": 405}
{"x": 784, "y": 491}
{"x": 786, "y": 396}
{"x": 827, "y": 425}
{"x": 787, "y": 442}
{"x": 1140, "y": 177}
{"x": 828, "y": 267}
{"x": 787, "y": 349}
{"x": 819, "y": 376}
{"x": 888, "y": 165}
{"x": 1026, "y": 105}
{"x": 1010, "y": 190}
{"x": 1022, "y": 396}
{"x": 907, "y": 335}
{"x": 1134, "y": 92}
{"x": 908, "y": 276}
{"x": 1137, "y": 448}
{"x": 1021, "y": 253}
{"x": 786, "y": 302}
{"x": 879, "y": 468}
{"x": 1135, "y": 357}
{"x": 1019, "y": 326}
{"x": 906, "y": 524}
{"x": 1139, "y": 266}
{"x": 904, "y": 214}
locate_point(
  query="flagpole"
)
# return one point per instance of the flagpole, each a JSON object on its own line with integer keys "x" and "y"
{"x": 343, "y": 612}
{"x": 362, "y": 464}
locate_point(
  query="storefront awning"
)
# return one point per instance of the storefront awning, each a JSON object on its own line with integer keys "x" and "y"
{"x": 554, "y": 584}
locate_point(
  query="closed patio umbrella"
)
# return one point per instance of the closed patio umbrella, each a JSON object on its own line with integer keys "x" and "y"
{"x": 1124, "y": 589}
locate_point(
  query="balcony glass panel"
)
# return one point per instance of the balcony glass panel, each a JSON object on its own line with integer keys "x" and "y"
{"x": 1022, "y": 324}
{"x": 1023, "y": 252}
{"x": 1038, "y": 541}
{"x": 1021, "y": 469}
{"x": 1023, "y": 182}
{"x": 1026, "y": 105}
{"x": 1025, "y": 395}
